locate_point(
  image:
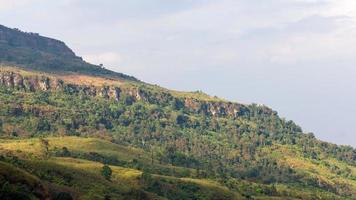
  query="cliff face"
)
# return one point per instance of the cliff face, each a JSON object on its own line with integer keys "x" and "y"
{"x": 42, "y": 83}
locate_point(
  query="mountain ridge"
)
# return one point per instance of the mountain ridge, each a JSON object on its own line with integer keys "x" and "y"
{"x": 33, "y": 51}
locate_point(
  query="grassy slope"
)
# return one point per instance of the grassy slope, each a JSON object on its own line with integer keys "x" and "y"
{"x": 86, "y": 181}
{"x": 325, "y": 169}
{"x": 31, "y": 149}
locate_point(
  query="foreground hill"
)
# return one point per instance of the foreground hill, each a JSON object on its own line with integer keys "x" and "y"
{"x": 59, "y": 128}
{"x": 72, "y": 165}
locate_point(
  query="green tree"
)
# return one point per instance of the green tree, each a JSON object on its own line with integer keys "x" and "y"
{"x": 106, "y": 172}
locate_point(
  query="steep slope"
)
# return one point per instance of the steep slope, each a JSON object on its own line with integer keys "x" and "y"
{"x": 179, "y": 145}
{"x": 18, "y": 184}
{"x": 32, "y": 51}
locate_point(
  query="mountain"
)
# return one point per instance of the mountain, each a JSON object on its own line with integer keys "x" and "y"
{"x": 78, "y": 131}
{"x": 32, "y": 51}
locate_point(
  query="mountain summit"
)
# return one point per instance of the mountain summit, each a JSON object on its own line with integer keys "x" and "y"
{"x": 32, "y": 51}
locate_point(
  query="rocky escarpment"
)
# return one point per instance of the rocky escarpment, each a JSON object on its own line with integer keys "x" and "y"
{"x": 128, "y": 94}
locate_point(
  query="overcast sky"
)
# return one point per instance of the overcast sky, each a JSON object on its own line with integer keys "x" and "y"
{"x": 296, "y": 56}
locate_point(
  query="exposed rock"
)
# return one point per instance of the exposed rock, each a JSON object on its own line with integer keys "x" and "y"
{"x": 216, "y": 109}
{"x": 210, "y": 108}
{"x": 114, "y": 93}
{"x": 18, "y": 81}
{"x": 56, "y": 84}
{"x": 104, "y": 92}
{"x": 43, "y": 84}
{"x": 138, "y": 94}
{"x": 8, "y": 79}
{"x": 192, "y": 104}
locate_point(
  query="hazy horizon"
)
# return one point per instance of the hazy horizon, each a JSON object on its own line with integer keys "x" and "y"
{"x": 295, "y": 56}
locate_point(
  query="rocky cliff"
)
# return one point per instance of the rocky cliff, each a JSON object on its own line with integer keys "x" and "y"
{"x": 33, "y": 83}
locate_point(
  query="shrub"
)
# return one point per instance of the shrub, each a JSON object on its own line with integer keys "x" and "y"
{"x": 106, "y": 172}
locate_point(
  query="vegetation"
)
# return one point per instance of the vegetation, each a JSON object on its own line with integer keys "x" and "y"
{"x": 86, "y": 180}
{"x": 106, "y": 172}
{"x": 65, "y": 144}
{"x": 165, "y": 142}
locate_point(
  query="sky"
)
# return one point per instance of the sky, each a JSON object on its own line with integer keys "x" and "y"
{"x": 296, "y": 56}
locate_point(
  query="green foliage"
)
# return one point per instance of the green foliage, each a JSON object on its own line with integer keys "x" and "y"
{"x": 63, "y": 196}
{"x": 106, "y": 172}
{"x": 18, "y": 184}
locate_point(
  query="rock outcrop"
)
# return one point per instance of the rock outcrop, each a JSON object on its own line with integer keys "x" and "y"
{"x": 216, "y": 109}
{"x": 43, "y": 83}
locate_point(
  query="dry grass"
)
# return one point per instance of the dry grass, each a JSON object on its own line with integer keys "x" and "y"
{"x": 77, "y": 144}
{"x": 120, "y": 175}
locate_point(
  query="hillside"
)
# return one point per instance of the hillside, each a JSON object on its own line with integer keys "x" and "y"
{"x": 58, "y": 128}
